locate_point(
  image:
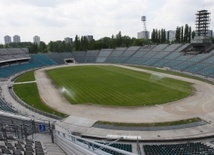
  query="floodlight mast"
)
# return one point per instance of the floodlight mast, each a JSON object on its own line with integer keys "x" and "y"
{"x": 143, "y": 19}
{"x": 202, "y": 23}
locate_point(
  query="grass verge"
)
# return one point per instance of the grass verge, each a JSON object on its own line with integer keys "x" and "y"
{"x": 27, "y": 76}
{"x": 179, "y": 122}
{"x": 29, "y": 94}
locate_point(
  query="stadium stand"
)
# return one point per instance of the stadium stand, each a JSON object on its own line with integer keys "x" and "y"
{"x": 180, "y": 149}
{"x": 59, "y": 58}
{"x": 138, "y": 57}
{"x": 13, "y": 61}
{"x": 74, "y": 144}
{"x": 10, "y": 67}
{"x": 115, "y": 54}
{"x": 13, "y": 54}
{"x": 21, "y": 147}
{"x": 91, "y": 56}
{"x": 103, "y": 54}
{"x": 16, "y": 60}
{"x": 121, "y": 146}
{"x": 6, "y": 107}
{"x": 127, "y": 54}
{"x": 79, "y": 56}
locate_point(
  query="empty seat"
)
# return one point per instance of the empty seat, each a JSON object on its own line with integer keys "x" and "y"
{"x": 6, "y": 151}
{"x": 17, "y": 152}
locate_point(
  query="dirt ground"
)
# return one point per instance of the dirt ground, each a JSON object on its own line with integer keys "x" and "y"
{"x": 199, "y": 104}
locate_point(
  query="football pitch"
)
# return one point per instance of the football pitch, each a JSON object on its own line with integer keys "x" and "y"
{"x": 115, "y": 86}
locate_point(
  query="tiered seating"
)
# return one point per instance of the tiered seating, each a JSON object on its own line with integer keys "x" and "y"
{"x": 121, "y": 146}
{"x": 91, "y": 56}
{"x": 22, "y": 147}
{"x": 127, "y": 54}
{"x": 152, "y": 56}
{"x": 196, "y": 63}
{"x": 79, "y": 56}
{"x": 37, "y": 60}
{"x": 172, "y": 47}
{"x": 6, "y": 107}
{"x": 59, "y": 58}
{"x": 103, "y": 54}
{"x": 137, "y": 57}
{"x": 11, "y": 54}
{"x": 178, "y": 149}
{"x": 44, "y": 59}
{"x": 164, "y": 55}
{"x": 173, "y": 59}
{"x": 115, "y": 54}
{"x": 126, "y": 147}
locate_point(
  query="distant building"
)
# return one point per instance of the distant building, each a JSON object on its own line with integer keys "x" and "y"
{"x": 210, "y": 33}
{"x": 36, "y": 40}
{"x": 16, "y": 39}
{"x": 170, "y": 35}
{"x": 68, "y": 40}
{"x": 7, "y": 39}
{"x": 143, "y": 35}
{"x": 89, "y": 37}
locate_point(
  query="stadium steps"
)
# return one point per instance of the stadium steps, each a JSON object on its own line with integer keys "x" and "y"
{"x": 194, "y": 64}
{"x": 209, "y": 49}
{"x": 51, "y": 148}
{"x": 118, "y": 57}
{"x": 126, "y": 60}
{"x": 180, "y": 62}
{"x": 147, "y": 47}
{"x": 163, "y": 58}
{"x": 158, "y": 60}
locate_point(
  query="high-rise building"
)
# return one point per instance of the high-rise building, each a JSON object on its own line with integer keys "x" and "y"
{"x": 68, "y": 40}
{"x": 7, "y": 39}
{"x": 210, "y": 33}
{"x": 89, "y": 37}
{"x": 170, "y": 35}
{"x": 36, "y": 40}
{"x": 16, "y": 39}
{"x": 143, "y": 35}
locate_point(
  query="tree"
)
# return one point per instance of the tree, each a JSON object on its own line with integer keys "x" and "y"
{"x": 77, "y": 43}
{"x": 182, "y": 35}
{"x": 153, "y": 36}
{"x": 186, "y": 33}
{"x": 138, "y": 42}
{"x": 193, "y": 34}
{"x": 42, "y": 47}
{"x": 34, "y": 48}
{"x": 189, "y": 34}
{"x": 177, "y": 35}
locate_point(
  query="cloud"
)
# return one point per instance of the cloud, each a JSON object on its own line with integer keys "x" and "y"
{"x": 179, "y": 12}
{"x": 56, "y": 19}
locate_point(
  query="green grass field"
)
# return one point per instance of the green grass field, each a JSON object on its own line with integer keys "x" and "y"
{"x": 28, "y": 92}
{"x": 108, "y": 85}
{"x": 28, "y": 76}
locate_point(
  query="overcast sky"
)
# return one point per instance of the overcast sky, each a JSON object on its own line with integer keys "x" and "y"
{"x": 57, "y": 19}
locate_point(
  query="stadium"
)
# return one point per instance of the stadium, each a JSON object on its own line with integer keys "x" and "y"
{"x": 175, "y": 118}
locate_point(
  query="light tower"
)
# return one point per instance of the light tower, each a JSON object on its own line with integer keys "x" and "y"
{"x": 143, "y": 19}
{"x": 201, "y": 43}
{"x": 202, "y": 23}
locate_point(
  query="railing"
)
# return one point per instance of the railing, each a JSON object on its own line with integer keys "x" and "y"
{"x": 73, "y": 144}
